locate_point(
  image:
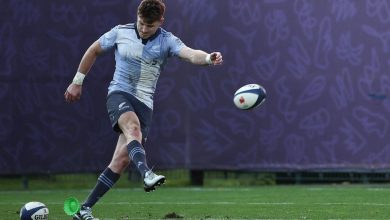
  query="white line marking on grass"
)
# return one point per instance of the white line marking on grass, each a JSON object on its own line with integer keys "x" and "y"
{"x": 218, "y": 203}
{"x": 353, "y": 204}
{"x": 227, "y": 218}
{"x": 197, "y": 203}
{"x": 196, "y": 189}
{"x": 270, "y": 203}
{"x": 170, "y": 203}
{"x": 341, "y": 189}
{"x": 206, "y": 218}
{"x": 47, "y": 191}
{"x": 213, "y": 189}
{"x": 377, "y": 189}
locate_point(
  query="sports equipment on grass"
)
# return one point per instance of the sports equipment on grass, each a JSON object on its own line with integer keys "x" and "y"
{"x": 34, "y": 211}
{"x": 71, "y": 206}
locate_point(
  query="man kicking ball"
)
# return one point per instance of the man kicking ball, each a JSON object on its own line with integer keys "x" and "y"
{"x": 141, "y": 50}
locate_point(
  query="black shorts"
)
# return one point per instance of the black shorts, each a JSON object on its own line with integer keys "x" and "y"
{"x": 120, "y": 102}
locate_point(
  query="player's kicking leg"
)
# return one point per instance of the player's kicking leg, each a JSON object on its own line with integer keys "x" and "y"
{"x": 134, "y": 128}
{"x": 138, "y": 156}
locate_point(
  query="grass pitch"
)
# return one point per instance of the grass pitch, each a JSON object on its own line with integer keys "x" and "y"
{"x": 265, "y": 202}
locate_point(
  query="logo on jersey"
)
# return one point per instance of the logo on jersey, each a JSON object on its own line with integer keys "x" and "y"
{"x": 122, "y": 106}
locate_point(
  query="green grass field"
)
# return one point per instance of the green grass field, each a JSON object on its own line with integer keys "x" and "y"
{"x": 263, "y": 202}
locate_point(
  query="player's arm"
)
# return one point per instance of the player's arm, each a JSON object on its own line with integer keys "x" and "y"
{"x": 73, "y": 92}
{"x": 200, "y": 57}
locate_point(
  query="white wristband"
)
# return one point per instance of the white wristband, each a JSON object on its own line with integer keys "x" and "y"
{"x": 208, "y": 59}
{"x": 78, "y": 78}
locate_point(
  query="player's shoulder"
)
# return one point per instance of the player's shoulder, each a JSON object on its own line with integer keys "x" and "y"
{"x": 166, "y": 34}
{"x": 126, "y": 26}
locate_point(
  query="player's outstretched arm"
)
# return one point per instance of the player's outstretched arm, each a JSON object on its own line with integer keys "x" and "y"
{"x": 200, "y": 57}
{"x": 73, "y": 92}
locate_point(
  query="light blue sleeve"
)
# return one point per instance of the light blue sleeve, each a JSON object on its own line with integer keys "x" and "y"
{"x": 174, "y": 45}
{"x": 108, "y": 40}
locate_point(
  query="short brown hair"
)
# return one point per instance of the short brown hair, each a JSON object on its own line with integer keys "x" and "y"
{"x": 151, "y": 10}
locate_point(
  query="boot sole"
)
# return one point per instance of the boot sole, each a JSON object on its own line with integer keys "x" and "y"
{"x": 157, "y": 184}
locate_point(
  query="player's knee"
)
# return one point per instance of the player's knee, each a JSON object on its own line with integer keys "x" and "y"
{"x": 134, "y": 132}
{"x": 130, "y": 126}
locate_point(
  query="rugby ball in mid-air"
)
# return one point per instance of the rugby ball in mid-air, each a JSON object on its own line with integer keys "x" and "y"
{"x": 34, "y": 211}
{"x": 249, "y": 96}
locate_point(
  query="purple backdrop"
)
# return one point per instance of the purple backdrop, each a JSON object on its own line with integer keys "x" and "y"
{"x": 325, "y": 65}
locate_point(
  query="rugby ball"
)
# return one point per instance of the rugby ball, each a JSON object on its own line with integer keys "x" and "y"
{"x": 249, "y": 96}
{"x": 34, "y": 211}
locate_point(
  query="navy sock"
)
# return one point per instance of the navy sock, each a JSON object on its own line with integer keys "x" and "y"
{"x": 138, "y": 156}
{"x": 105, "y": 181}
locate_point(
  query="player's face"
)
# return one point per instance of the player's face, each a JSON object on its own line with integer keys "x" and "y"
{"x": 145, "y": 29}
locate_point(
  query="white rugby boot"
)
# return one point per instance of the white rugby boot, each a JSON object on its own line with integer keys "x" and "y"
{"x": 152, "y": 180}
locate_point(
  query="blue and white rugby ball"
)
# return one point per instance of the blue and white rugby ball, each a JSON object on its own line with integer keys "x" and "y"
{"x": 249, "y": 96}
{"x": 34, "y": 211}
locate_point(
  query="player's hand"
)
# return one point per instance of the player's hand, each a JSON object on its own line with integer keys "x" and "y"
{"x": 73, "y": 93}
{"x": 216, "y": 58}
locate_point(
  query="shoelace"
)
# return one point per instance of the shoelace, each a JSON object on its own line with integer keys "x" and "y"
{"x": 150, "y": 175}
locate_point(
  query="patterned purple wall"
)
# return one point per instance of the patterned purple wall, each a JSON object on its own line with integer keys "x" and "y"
{"x": 325, "y": 65}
